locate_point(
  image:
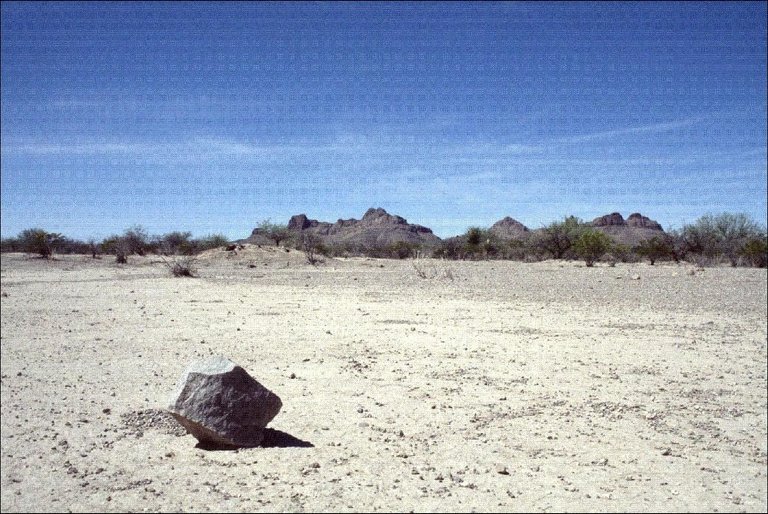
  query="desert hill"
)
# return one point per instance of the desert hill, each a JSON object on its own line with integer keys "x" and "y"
{"x": 377, "y": 228}
{"x": 509, "y": 228}
{"x": 630, "y": 231}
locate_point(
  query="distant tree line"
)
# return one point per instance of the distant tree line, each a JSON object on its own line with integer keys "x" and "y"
{"x": 712, "y": 239}
{"x": 133, "y": 241}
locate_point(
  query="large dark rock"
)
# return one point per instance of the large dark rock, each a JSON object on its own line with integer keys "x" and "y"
{"x": 219, "y": 403}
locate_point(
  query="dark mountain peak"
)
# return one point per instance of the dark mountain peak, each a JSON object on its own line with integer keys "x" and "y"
{"x": 377, "y": 228}
{"x": 380, "y": 216}
{"x": 635, "y": 220}
{"x": 638, "y": 220}
{"x": 508, "y": 228}
{"x": 609, "y": 220}
{"x": 299, "y": 222}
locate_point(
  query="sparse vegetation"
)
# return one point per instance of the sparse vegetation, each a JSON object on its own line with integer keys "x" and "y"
{"x": 558, "y": 238}
{"x": 656, "y": 248}
{"x": 430, "y": 270}
{"x": 181, "y": 265}
{"x": 311, "y": 246}
{"x": 711, "y": 240}
{"x": 38, "y": 241}
{"x": 591, "y": 245}
{"x": 755, "y": 251}
{"x": 274, "y": 231}
{"x": 724, "y": 235}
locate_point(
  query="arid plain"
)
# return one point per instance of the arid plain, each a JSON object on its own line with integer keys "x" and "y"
{"x": 486, "y": 386}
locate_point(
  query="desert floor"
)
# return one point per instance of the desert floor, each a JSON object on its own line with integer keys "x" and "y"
{"x": 486, "y": 386}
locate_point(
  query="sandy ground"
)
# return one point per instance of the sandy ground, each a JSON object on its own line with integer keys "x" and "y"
{"x": 488, "y": 386}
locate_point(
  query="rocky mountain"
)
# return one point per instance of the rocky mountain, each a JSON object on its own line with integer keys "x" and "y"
{"x": 508, "y": 228}
{"x": 377, "y": 228}
{"x": 630, "y": 231}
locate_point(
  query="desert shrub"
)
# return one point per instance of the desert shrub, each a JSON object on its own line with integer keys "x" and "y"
{"x": 210, "y": 242}
{"x": 721, "y": 235}
{"x": 516, "y": 250}
{"x": 479, "y": 243}
{"x": 274, "y": 231}
{"x": 10, "y": 244}
{"x": 176, "y": 243}
{"x": 656, "y": 248}
{"x": 94, "y": 248}
{"x": 474, "y": 236}
{"x": 402, "y": 250}
{"x": 431, "y": 270}
{"x": 181, "y": 265}
{"x": 40, "y": 242}
{"x": 623, "y": 253}
{"x": 558, "y": 238}
{"x": 118, "y": 246}
{"x": 755, "y": 251}
{"x": 448, "y": 249}
{"x": 312, "y": 246}
{"x": 591, "y": 245}
{"x": 137, "y": 240}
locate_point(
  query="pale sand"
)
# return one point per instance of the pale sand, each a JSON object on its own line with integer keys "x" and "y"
{"x": 512, "y": 387}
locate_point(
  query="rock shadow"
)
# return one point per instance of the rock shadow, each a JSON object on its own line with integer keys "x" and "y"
{"x": 279, "y": 439}
{"x": 272, "y": 439}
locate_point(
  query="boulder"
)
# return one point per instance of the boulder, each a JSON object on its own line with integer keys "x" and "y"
{"x": 219, "y": 403}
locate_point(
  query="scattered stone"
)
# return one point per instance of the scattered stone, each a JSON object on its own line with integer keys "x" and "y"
{"x": 667, "y": 451}
{"x": 635, "y": 277}
{"x": 152, "y": 419}
{"x": 502, "y": 469}
{"x": 219, "y": 403}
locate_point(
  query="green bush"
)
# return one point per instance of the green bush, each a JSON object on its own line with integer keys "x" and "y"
{"x": 559, "y": 238}
{"x": 721, "y": 235}
{"x": 755, "y": 251}
{"x": 655, "y": 248}
{"x": 38, "y": 241}
{"x": 210, "y": 242}
{"x": 402, "y": 250}
{"x": 275, "y": 231}
{"x": 591, "y": 245}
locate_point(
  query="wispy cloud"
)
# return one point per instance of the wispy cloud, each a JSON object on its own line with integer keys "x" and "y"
{"x": 641, "y": 129}
{"x": 79, "y": 148}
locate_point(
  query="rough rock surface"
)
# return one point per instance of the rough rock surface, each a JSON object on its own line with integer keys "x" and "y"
{"x": 376, "y": 228}
{"x": 218, "y": 402}
{"x": 609, "y": 220}
{"x": 628, "y": 232}
{"x": 638, "y": 220}
{"x": 509, "y": 228}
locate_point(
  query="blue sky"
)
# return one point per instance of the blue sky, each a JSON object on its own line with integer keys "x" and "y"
{"x": 212, "y": 117}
